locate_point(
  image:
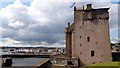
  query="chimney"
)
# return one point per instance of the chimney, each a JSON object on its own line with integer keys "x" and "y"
{"x": 68, "y": 24}
{"x": 89, "y": 7}
{"x": 74, "y": 8}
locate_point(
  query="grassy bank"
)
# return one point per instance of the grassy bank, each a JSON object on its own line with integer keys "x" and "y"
{"x": 103, "y": 65}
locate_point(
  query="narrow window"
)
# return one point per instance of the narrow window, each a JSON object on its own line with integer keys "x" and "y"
{"x": 92, "y": 30}
{"x": 80, "y": 27}
{"x": 80, "y": 36}
{"x": 80, "y": 52}
{"x": 88, "y": 39}
{"x": 92, "y": 53}
{"x": 96, "y": 43}
{"x": 93, "y": 63}
{"x": 102, "y": 55}
{"x": 80, "y": 44}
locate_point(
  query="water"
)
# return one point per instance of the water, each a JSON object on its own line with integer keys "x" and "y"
{"x": 25, "y": 61}
{"x": 28, "y": 61}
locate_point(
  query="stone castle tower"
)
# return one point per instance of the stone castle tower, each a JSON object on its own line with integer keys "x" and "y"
{"x": 88, "y": 37}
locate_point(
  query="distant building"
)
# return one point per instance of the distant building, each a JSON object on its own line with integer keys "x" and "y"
{"x": 115, "y": 47}
{"x": 88, "y": 37}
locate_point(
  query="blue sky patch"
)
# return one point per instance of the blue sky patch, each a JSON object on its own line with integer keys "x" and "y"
{"x": 4, "y": 4}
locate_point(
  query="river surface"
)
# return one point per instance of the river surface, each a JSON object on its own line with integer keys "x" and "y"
{"x": 28, "y": 61}
{"x": 25, "y": 61}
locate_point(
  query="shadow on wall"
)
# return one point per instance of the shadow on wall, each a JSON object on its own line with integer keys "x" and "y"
{"x": 48, "y": 64}
{"x": 80, "y": 63}
{"x": 116, "y": 56}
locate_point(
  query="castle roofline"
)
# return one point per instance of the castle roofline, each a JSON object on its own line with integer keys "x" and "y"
{"x": 106, "y": 9}
{"x": 89, "y": 8}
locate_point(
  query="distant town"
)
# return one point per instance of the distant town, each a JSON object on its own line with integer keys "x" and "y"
{"x": 33, "y": 50}
{"x": 115, "y": 47}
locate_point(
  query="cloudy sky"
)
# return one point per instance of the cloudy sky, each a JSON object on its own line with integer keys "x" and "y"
{"x": 42, "y": 23}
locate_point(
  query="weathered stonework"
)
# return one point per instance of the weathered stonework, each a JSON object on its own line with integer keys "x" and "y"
{"x": 88, "y": 37}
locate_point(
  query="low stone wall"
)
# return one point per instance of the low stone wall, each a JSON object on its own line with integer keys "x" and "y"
{"x": 64, "y": 60}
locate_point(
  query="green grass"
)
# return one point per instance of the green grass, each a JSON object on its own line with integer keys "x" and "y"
{"x": 103, "y": 65}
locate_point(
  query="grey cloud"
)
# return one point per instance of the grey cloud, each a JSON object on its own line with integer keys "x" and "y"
{"x": 115, "y": 40}
{"x": 8, "y": 33}
{"x": 33, "y": 32}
